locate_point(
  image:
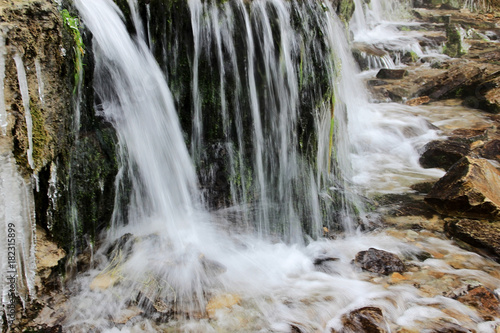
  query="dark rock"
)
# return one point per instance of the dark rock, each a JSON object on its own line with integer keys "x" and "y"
{"x": 379, "y": 261}
{"x": 375, "y": 83}
{"x": 365, "y": 320}
{"x": 392, "y": 74}
{"x": 482, "y": 235}
{"x": 443, "y": 154}
{"x": 485, "y": 302}
{"x": 424, "y": 187}
{"x": 468, "y": 189}
{"x": 491, "y": 150}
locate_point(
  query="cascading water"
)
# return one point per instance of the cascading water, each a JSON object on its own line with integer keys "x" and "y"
{"x": 295, "y": 124}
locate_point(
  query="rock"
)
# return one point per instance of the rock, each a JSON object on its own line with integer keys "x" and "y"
{"x": 103, "y": 281}
{"x": 423, "y": 187}
{"x": 443, "y": 154}
{"x": 126, "y": 314}
{"x": 470, "y": 188}
{"x": 47, "y": 258}
{"x": 418, "y": 101}
{"x": 364, "y": 320}
{"x": 485, "y": 302}
{"x": 470, "y": 134}
{"x": 220, "y": 302}
{"x": 391, "y": 74}
{"x": 454, "y": 44}
{"x": 379, "y": 261}
{"x": 452, "y": 328}
{"x": 491, "y": 150}
{"x": 482, "y": 235}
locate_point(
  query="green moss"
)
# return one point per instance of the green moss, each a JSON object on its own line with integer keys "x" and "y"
{"x": 346, "y": 9}
{"x": 72, "y": 24}
{"x": 41, "y": 137}
{"x": 453, "y": 47}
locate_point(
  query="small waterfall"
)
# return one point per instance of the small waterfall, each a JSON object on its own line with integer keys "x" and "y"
{"x": 275, "y": 99}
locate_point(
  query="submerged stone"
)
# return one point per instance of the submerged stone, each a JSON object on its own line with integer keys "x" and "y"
{"x": 369, "y": 319}
{"x": 483, "y": 300}
{"x": 379, "y": 261}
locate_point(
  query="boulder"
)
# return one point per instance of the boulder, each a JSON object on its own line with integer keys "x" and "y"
{"x": 485, "y": 302}
{"x": 391, "y": 74}
{"x": 443, "y": 154}
{"x": 379, "y": 261}
{"x": 369, "y": 319}
{"x": 470, "y": 188}
{"x": 482, "y": 235}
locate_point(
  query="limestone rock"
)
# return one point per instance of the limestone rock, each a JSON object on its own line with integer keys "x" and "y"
{"x": 443, "y": 154}
{"x": 482, "y": 235}
{"x": 365, "y": 320}
{"x": 379, "y": 261}
{"x": 469, "y": 189}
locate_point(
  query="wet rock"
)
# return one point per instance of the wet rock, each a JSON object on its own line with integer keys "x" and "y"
{"x": 125, "y": 315}
{"x": 423, "y": 187}
{"x": 452, "y": 328}
{"x": 491, "y": 150}
{"x": 47, "y": 258}
{"x": 470, "y": 134}
{"x": 365, "y": 320}
{"x": 379, "y": 261}
{"x": 103, "y": 281}
{"x": 468, "y": 189}
{"x": 485, "y": 302}
{"x": 221, "y": 302}
{"x": 443, "y": 154}
{"x": 391, "y": 74}
{"x": 482, "y": 235}
{"x": 418, "y": 101}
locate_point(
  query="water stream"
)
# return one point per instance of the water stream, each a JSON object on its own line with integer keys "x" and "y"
{"x": 167, "y": 263}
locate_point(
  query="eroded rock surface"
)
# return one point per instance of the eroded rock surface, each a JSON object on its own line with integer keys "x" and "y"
{"x": 480, "y": 234}
{"x": 469, "y": 189}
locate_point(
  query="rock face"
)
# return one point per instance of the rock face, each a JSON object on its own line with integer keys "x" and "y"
{"x": 379, "y": 261}
{"x": 443, "y": 154}
{"x": 482, "y": 235}
{"x": 469, "y": 189}
{"x": 365, "y": 320}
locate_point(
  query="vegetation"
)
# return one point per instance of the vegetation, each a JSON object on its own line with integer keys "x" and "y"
{"x": 72, "y": 23}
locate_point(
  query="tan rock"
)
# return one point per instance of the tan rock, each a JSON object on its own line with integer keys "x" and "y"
{"x": 418, "y": 101}
{"x": 103, "y": 281}
{"x": 470, "y": 188}
{"x": 220, "y": 302}
{"x": 397, "y": 277}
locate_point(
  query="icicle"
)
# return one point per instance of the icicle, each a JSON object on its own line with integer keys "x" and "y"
{"x": 17, "y": 235}
{"x": 23, "y": 86}
{"x": 3, "y": 111}
{"x": 40, "y": 80}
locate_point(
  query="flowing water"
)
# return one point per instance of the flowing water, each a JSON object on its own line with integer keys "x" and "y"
{"x": 259, "y": 265}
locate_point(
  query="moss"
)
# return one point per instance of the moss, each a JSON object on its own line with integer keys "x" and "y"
{"x": 41, "y": 137}
{"x": 453, "y": 47}
{"x": 346, "y": 10}
{"x": 72, "y": 24}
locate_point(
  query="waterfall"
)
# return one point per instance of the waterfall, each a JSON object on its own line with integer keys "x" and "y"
{"x": 273, "y": 97}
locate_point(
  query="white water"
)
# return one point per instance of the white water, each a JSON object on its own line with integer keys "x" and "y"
{"x": 23, "y": 87}
{"x": 182, "y": 255}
